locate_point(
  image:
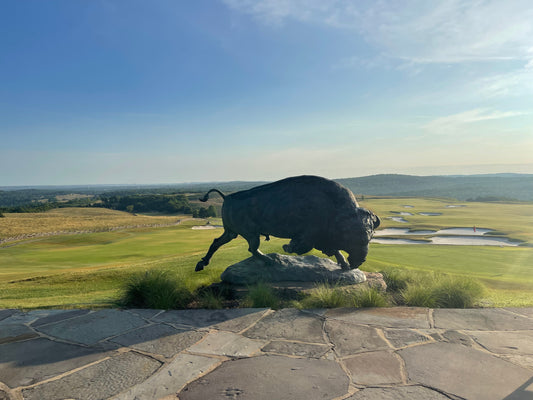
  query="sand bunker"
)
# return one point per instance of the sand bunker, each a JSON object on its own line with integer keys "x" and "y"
{"x": 472, "y": 241}
{"x": 207, "y": 227}
{"x": 430, "y": 214}
{"x": 448, "y": 236}
{"x": 398, "y": 241}
{"x": 398, "y": 219}
{"x": 464, "y": 231}
{"x": 401, "y": 232}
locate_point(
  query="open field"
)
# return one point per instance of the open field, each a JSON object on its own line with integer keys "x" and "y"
{"x": 88, "y": 269}
{"x": 73, "y": 220}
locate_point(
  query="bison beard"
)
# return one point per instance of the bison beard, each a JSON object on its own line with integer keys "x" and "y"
{"x": 313, "y": 212}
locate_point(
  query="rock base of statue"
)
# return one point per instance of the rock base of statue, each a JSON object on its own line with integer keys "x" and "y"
{"x": 282, "y": 269}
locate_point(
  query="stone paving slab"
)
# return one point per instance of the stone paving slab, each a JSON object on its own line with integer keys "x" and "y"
{"x": 400, "y": 317}
{"x": 297, "y": 349}
{"x": 398, "y": 393}
{"x": 481, "y": 320}
{"x": 520, "y": 342}
{"x": 31, "y": 361}
{"x": 392, "y": 353}
{"x": 98, "y": 381}
{"x": 6, "y": 313}
{"x": 404, "y": 337}
{"x": 375, "y": 368}
{"x": 94, "y": 327}
{"x": 235, "y": 319}
{"x": 228, "y": 344}
{"x": 526, "y": 312}
{"x": 463, "y": 371}
{"x": 60, "y": 316}
{"x": 270, "y": 377}
{"x": 159, "y": 339}
{"x": 289, "y": 324}
{"x": 349, "y": 339}
{"x": 171, "y": 378}
{"x": 15, "y": 332}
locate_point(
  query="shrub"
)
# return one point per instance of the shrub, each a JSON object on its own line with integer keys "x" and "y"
{"x": 155, "y": 289}
{"x": 262, "y": 295}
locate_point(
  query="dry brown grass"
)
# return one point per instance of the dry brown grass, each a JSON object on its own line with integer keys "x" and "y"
{"x": 65, "y": 220}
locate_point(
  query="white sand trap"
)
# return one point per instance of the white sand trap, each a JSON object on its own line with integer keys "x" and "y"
{"x": 398, "y": 219}
{"x": 206, "y": 227}
{"x": 408, "y": 206}
{"x": 451, "y": 240}
{"x": 455, "y": 205}
{"x": 398, "y": 241}
{"x": 430, "y": 214}
{"x": 464, "y": 231}
{"x": 405, "y": 213}
{"x": 472, "y": 241}
{"x": 401, "y": 231}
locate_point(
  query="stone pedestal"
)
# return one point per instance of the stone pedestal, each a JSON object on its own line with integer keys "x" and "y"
{"x": 280, "y": 268}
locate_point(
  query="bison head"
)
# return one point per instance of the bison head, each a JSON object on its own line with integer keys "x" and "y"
{"x": 357, "y": 234}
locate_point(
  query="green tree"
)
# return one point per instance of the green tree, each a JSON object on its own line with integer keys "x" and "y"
{"x": 211, "y": 211}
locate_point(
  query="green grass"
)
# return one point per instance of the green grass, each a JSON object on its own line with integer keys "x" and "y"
{"x": 88, "y": 270}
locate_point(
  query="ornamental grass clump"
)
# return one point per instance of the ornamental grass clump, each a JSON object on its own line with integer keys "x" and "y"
{"x": 396, "y": 279}
{"x": 155, "y": 289}
{"x": 442, "y": 291}
{"x": 325, "y": 295}
{"x": 261, "y": 295}
{"x": 416, "y": 295}
{"x": 368, "y": 297}
{"x": 457, "y": 292}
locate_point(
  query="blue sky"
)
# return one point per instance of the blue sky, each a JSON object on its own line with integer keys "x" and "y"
{"x": 100, "y": 92}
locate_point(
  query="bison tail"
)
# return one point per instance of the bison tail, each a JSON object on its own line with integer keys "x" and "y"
{"x": 206, "y": 196}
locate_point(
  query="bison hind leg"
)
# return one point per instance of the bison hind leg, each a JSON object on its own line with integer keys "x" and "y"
{"x": 253, "y": 246}
{"x": 226, "y": 237}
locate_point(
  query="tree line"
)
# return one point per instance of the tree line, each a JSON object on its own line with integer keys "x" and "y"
{"x": 132, "y": 203}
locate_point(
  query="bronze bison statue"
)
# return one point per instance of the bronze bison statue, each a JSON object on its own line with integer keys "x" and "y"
{"x": 313, "y": 212}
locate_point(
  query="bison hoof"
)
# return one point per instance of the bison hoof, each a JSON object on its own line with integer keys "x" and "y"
{"x": 200, "y": 266}
{"x": 287, "y": 248}
{"x": 345, "y": 267}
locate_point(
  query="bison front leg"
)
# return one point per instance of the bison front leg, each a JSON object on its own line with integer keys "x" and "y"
{"x": 226, "y": 237}
{"x": 340, "y": 258}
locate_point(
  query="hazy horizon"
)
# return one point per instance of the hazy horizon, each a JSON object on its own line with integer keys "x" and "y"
{"x": 113, "y": 92}
{"x": 185, "y": 183}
